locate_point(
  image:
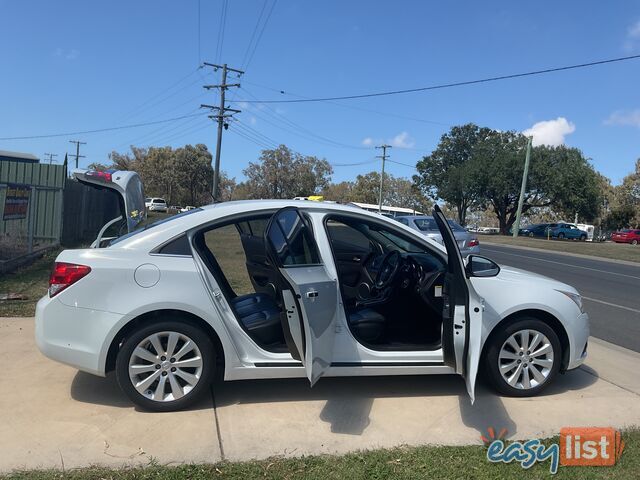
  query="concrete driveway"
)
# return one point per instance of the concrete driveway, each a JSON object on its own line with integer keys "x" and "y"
{"x": 54, "y": 416}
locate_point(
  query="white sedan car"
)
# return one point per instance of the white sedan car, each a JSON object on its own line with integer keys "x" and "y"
{"x": 280, "y": 288}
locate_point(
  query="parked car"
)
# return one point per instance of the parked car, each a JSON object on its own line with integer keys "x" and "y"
{"x": 566, "y": 230}
{"x": 188, "y": 208}
{"x": 488, "y": 230}
{"x": 536, "y": 230}
{"x": 329, "y": 290}
{"x": 626, "y": 235}
{"x": 467, "y": 242}
{"x": 175, "y": 208}
{"x": 157, "y": 205}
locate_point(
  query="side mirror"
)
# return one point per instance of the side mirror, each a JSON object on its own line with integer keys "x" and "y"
{"x": 478, "y": 266}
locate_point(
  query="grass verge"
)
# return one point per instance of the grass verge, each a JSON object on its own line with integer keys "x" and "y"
{"x": 610, "y": 250}
{"x": 467, "y": 462}
{"x": 31, "y": 281}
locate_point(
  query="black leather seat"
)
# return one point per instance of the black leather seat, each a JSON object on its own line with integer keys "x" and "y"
{"x": 366, "y": 324}
{"x": 260, "y": 316}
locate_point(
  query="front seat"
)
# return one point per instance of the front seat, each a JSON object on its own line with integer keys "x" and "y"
{"x": 260, "y": 317}
{"x": 366, "y": 324}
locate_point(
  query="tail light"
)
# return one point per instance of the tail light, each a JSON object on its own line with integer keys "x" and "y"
{"x": 65, "y": 275}
{"x": 474, "y": 242}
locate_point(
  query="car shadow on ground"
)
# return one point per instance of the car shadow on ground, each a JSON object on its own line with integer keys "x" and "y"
{"x": 348, "y": 400}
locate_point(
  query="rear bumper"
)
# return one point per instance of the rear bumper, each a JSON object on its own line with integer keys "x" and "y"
{"x": 74, "y": 336}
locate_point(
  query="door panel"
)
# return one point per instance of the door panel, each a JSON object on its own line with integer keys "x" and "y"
{"x": 462, "y": 311}
{"x": 310, "y": 320}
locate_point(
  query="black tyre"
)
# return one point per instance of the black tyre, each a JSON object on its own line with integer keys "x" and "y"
{"x": 634, "y": 242}
{"x": 531, "y": 234}
{"x": 583, "y": 238}
{"x": 523, "y": 358}
{"x": 561, "y": 236}
{"x": 166, "y": 366}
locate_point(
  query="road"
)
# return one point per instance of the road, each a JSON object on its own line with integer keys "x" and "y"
{"x": 611, "y": 291}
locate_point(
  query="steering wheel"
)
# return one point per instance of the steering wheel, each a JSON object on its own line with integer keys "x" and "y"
{"x": 388, "y": 270}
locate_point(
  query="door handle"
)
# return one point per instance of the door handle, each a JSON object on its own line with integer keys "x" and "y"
{"x": 356, "y": 259}
{"x": 312, "y": 294}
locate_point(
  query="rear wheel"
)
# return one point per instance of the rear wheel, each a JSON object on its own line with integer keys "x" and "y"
{"x": 523, "y": 358}
{"x": 166, "y": 365}
{"x": 531, "y": 234}
{"x": 634, "y": 242}
{"x": 583, "y": 238}
{"x": 561, "y": 236}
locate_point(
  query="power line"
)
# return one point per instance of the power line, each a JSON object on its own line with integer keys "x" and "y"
{"x": 349, "y": 106}
{"x": 221, "y": 29}
{"x": 139, "y": 109}
{"x": 253, "y": 34}
{"x": 307, "y": 134}
{"x": 403, "y": 164}
{"x": 100, "y": 130}
{"x": 264, "y": 26}
{"x": 454, "y": 84}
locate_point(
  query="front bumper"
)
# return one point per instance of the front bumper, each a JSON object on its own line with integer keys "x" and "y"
{"x": 74, "y": 336}
{"x": 578, "y": 338}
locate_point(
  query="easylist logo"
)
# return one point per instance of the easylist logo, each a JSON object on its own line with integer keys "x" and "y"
{"x": 590, "y": 446}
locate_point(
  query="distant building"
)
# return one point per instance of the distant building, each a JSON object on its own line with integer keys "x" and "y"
{"x": 18, "y": 157}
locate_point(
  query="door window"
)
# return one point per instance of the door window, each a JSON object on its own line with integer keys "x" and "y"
{"x": 291, "y": 240}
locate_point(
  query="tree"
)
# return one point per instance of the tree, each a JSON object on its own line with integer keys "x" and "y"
{"x": 282, "y": 173}
{"x": 338, "y": 192}
{"x": 559, "y": 177}
{"x": 445, "y": 175}
{"x": 397, "y": 192}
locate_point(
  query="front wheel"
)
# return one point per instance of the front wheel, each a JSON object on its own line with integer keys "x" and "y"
{"x": 634, "y": 242}
{"x": 583, "y": 238}
{"x": 523, "y": 358}
{"x": 166, "y": 365}
{"x": 561, "y": 236}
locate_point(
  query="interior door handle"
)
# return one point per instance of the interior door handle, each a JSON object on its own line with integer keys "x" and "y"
{"x": 356, "y": 259}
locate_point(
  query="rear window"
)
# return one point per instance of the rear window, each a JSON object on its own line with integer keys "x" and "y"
{"x": 158, "y": 200}
{"x": 153, "y": 225}
{"x": 426, "y": 224}
{"x": 456, "y": 227}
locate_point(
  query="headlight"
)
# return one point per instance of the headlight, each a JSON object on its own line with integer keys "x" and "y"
{"x": 577, "y": 299}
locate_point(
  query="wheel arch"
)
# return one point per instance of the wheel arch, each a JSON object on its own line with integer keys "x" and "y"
{"x": 164, "y": 314}
{"x": 542, "y": 315}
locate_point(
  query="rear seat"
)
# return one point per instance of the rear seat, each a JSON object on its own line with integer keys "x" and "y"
{"x": 260, "y": 316}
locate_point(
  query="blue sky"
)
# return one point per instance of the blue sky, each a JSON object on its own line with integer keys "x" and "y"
{"x": 78, "y": 65}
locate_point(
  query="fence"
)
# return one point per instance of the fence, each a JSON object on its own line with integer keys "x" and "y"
{"x": 31, "y": 205}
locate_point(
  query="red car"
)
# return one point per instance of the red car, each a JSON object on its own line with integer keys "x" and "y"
{"x": 627, "y": 235}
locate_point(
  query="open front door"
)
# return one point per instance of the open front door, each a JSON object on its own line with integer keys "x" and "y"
{"x": 309, "y": 294}
{"x": 462, "y": 312}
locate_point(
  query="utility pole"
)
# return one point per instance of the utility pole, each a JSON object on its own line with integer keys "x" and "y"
{"x": 51, "y": 155}
{"x": 78, "y": 143}
{"x": 384, "y": 157}
{"x": 523, "y": 187}
{"x": 220, "y": 115}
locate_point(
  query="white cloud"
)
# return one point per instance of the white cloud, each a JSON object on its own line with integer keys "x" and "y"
{"x": 633, "y": 37}
{"x": 623, "y": 117}
{"x": 402, "y": 140}
{"x": 66, "y": 54}
{"x": 253, "y": 120}
{"x": 550, "y": 132}
{"x": 243, "y": 105}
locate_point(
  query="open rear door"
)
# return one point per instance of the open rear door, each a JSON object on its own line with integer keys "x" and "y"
{"x": 128, "y": 186}
{"x": 462, "y": 311}
{"x": 309, "y": 294}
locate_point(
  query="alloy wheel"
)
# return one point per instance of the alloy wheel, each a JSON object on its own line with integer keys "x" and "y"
{"x": 165, "y": 366}
{"x": 526, "y": 359}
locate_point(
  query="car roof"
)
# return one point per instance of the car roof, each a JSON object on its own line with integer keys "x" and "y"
{"x": 153, "y": 237}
